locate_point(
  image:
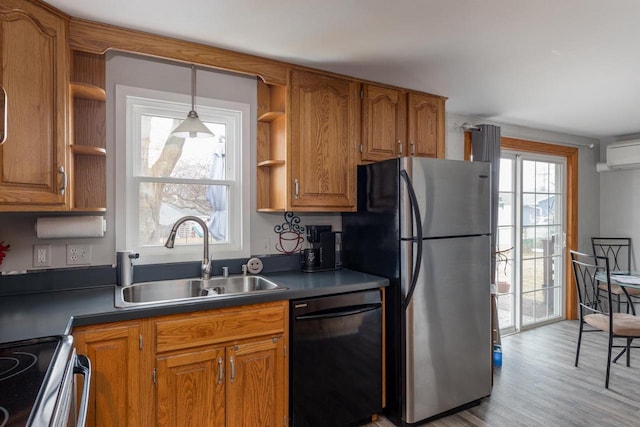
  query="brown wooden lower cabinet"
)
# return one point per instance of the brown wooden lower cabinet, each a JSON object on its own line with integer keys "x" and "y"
{"x": 116, "y": 362}
{"x": 256, "y": 383}
{"x": 223, "y": 367}
{"x": 191, "y": 389}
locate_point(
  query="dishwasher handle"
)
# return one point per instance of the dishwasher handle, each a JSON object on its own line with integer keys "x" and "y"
{"x": 82, "y": 366}
{"x": 339, "y": 311}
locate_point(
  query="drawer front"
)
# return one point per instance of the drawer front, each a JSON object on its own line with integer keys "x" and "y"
{"x": 216, "y": 326}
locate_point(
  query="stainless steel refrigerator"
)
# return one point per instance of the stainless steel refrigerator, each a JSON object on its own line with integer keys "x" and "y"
{"x": 425, "y": 224}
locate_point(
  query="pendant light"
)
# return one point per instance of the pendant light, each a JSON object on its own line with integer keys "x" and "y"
{"x": 192, "y": 126}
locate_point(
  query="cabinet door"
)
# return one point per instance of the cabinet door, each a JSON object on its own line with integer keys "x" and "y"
{"x": 324, "y": 121}
{"x": 384, "y": 120}
{"x": 115, "y": 355}
{"x": 425, "y": 125}
{"x": 190, "y": 389}
{"x": 35, "y": 76}
{"x": 256, "y": 383}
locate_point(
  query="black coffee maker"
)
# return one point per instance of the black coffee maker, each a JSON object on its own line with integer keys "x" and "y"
{"x": 325, "y": 251}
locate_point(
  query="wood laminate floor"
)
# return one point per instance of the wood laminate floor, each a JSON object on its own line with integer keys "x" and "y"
{"x": 538, "y": 385}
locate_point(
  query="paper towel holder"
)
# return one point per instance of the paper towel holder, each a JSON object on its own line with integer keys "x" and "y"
{"x": 65, "y": 227}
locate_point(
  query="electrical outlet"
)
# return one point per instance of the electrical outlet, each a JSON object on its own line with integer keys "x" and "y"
{"x": 42, "y": 255}
{"x": 78, "y": 254}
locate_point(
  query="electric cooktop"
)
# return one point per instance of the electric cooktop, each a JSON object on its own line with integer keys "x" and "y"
{"x": 24, "y": 366}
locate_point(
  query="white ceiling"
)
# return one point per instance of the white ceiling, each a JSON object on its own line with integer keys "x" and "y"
{"x": 569, "y": 66}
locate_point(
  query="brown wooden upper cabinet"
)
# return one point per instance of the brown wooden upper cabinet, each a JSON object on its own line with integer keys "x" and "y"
{"x": 324, "y": 134}
{"x": 308, "y": 134}
{"x": 34, "y": 77}
{"x": 399, "y": 123}
{"x": 54, "y": 153}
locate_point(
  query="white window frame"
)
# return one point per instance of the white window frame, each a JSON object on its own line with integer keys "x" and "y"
{"x": 131, "y": 102}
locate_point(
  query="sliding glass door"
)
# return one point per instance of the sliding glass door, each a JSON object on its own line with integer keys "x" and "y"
{"x": 530, "y": 261}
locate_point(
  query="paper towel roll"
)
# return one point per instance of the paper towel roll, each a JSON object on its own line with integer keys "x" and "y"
{"x": 69, "y": 227}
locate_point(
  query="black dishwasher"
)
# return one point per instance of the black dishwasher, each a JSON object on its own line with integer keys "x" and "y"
{"x": 336, "y": 359}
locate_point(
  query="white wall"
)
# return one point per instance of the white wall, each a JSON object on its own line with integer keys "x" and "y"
{"x": 130, "y": 70}
{"x": 620, "y": 203}
{"x": 588, "y": 178}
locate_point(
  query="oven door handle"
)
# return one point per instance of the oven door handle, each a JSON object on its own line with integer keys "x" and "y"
{"x": 82, "y": 366}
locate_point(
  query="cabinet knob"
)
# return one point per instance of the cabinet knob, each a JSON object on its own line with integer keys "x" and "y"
{"x": 297, "y": 187}
{"x": 399, "y": 148}
{"x": 413, "y": 148}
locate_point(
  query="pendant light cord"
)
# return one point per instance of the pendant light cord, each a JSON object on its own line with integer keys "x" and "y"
{"x": 193, "y": 87}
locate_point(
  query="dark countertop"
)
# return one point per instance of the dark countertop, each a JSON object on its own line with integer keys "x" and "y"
{"x": 56, "y": 312}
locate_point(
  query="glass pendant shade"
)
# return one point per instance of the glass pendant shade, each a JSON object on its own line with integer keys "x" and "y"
{"x": 192, "y": 126}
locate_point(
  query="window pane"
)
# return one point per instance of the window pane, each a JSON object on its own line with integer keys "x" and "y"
{"x": 505, "y": 181}
{"x": 505, "y": 209}
{"x": 505, "y": 311}
{"x": 554, "y": 177}
{"x": 162, "y": 204}
{"x": 191, "y": 158}
{"x": 546, "y": 208}
{"x": 528, "y": 175}
{"x": 505, "y": 240}
{"x": 542, "y": 177}
{"x": 529, "y": 209}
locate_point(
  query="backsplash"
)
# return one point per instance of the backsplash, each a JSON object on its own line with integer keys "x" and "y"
{"x": 18, "y": 230}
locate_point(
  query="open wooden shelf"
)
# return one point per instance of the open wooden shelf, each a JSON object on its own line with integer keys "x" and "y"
{"x": 272, "y": 151}
{"x": 88, "y": 184}
{"x": 271, "y": 163}
{"x": 270, "y": 116}
{"x": 86, "y": 91}
{"x": 87, "y": 150}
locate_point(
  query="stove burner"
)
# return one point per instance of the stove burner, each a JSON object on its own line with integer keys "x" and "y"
{"x": 12, "y": 366}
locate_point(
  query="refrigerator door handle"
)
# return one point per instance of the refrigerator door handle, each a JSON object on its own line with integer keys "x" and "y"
{"x": 416, "y": 239}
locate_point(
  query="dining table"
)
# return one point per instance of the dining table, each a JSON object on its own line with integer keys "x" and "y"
{"x": 626, "y": 280}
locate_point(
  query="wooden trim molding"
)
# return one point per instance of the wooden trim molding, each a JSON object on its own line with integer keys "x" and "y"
{"x": 94, "y": 37}
{"x": 571, "y": 156}
{"x": 98, "y": 38}
{"x": 467, "y": 145}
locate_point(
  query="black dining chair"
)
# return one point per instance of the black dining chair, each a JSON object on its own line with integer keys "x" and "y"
{"x": 595, "y": 313}
{"x": 618, "y": 251}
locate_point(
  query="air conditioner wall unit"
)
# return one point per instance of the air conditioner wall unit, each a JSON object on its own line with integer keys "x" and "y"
{"x": 624, "y": 155}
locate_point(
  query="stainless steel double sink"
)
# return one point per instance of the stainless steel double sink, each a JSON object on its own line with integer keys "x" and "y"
{"x": 165, "y": 292}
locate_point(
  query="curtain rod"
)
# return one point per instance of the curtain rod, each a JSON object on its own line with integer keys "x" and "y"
{"x": 466, "y": 126}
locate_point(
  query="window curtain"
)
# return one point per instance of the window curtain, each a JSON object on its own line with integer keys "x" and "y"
{"x": 485, "y": 146}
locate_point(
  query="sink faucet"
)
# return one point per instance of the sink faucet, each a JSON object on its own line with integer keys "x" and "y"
{"x": 206, "y": 263}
